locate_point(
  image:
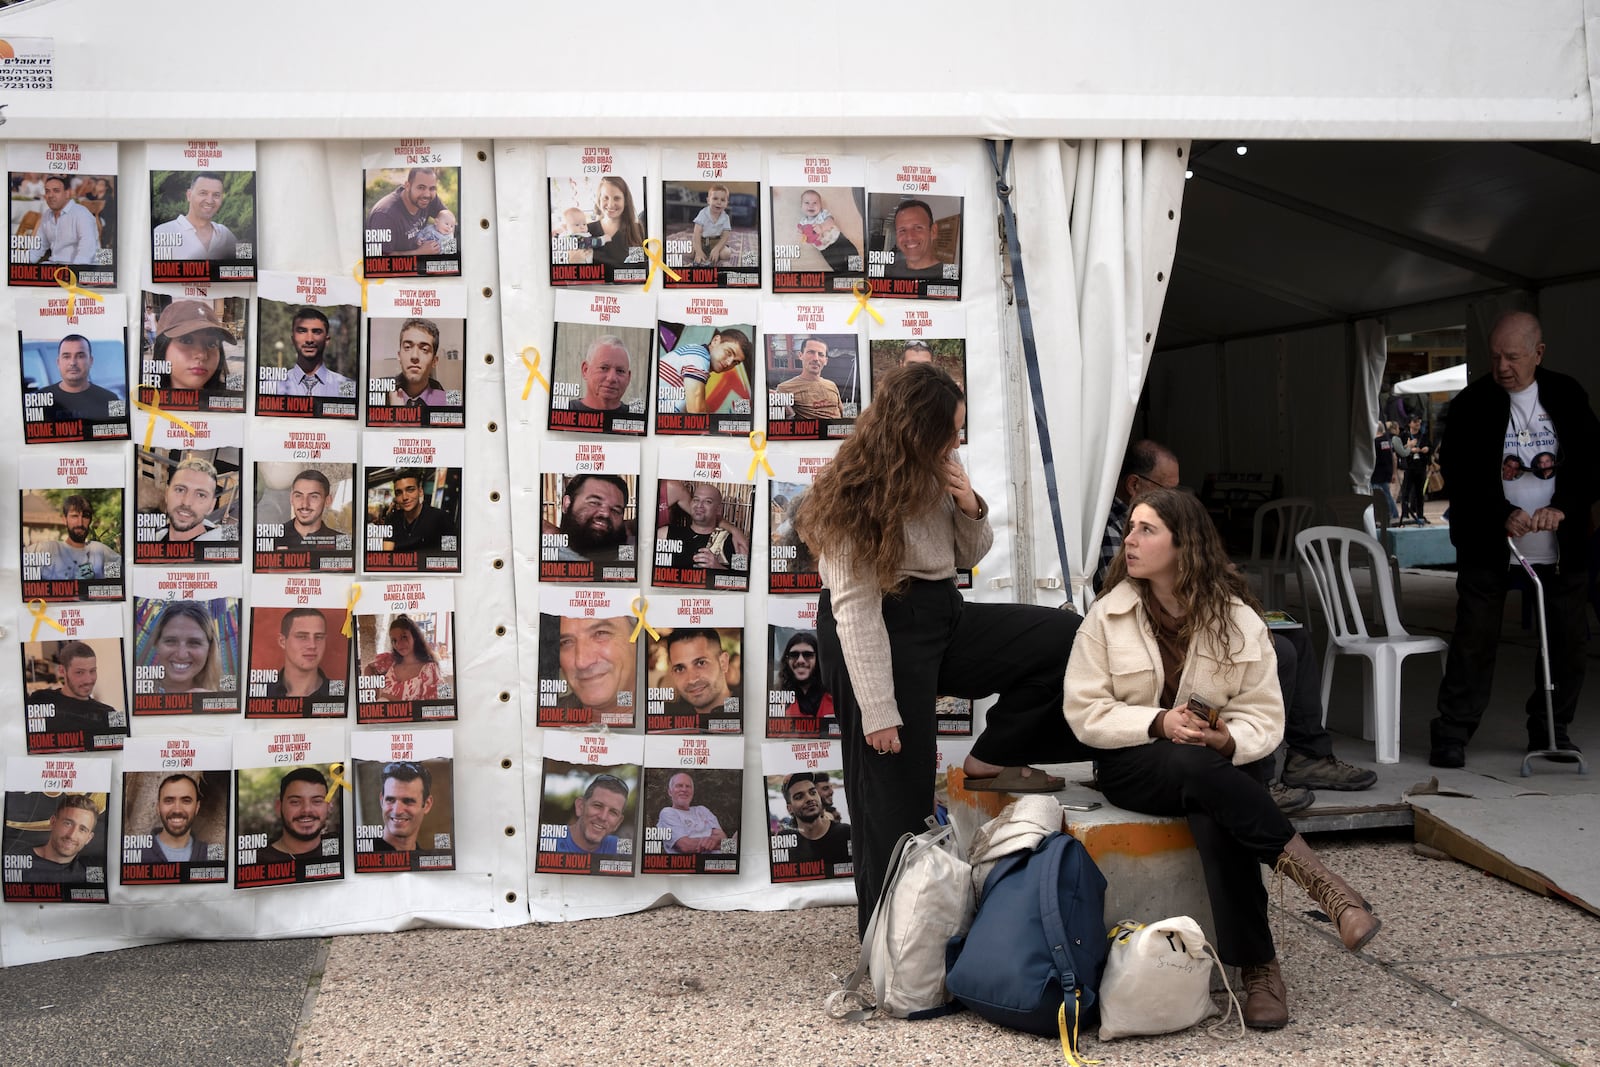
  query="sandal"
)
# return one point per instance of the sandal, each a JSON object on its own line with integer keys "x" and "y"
{"x": 1017, "y": 780}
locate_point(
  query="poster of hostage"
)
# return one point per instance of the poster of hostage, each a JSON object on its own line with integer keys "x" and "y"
{"x": 819, "y": 210}
{"x": 705, "y": 508}
{"x": 813, "y": 371}
{"x": 405, "y": 651}
{"x": 588, "y": 657}
{"x": 56, "y": 829}
{"x": 308, "y": 345}
{"x": 175, "y": 792}
{"x": 193, "y": 354}
{"x": 305, "y": 492}
{"x": 597, "y": 215}
{"x": 600, "y": 380}
{"x": 188, "y": 488}
{"x": 73, "y": 687}
{"x": 589, "y": 512}
{"x": 71, "y": 516}
{"x": 413, "y": 501}
{"x": 920, "y": 333}
{"x": 914, "y": 217}
{"x": 693, "y": 805}
{"x": 187, "y": 653}
{"x": 202, "y": 211}
{"x": 74, "y": 368}
{"x": 711, "y": 218}
{"x": 694, "y": 665}
{"x": 798, "y": 705}
{"x": 405, "y": 800}
{"x": 288, "y": 806}
{"x": 589, "y": 804}
{"x": 411, "y": 199}
{"x": 791, "y": 568}
{"x": 807, "y": 832}
{"x": 63, "y": 213}
{"x": 416, "y": 336}
{"x": 299, "y": 650}
{"x": 704, "y": 373}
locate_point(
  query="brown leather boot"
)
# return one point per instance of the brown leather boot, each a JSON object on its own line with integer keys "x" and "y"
{"x": 1347, "y": 908}
{"x": 1266, "y": 1002}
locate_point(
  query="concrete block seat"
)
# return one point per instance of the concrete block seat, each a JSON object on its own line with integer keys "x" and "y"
{"x": 1150, "y": 864}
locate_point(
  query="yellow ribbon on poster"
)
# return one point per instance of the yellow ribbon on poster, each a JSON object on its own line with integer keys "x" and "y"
{"x": 534, "y": 373}
{"x": 360, "y": 276}
{"x": 758, "y": 442}
{"x": 652, "y": 250}
{"x": 155, "y": 412}
{"x": 74, "y": 290}
{"x": 863, "y": 291}
{"x": 350, "y": 608}
{"x": 336, "y": 772}
{"x": 42, "y": 618}
{"x": 639, "y": 606}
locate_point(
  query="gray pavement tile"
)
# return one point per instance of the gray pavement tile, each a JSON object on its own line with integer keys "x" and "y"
{"x": 210, "y": 1002}
{"x": 1551, "y": 999}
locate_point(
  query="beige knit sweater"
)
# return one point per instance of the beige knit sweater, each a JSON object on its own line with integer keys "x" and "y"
{"x": 937, "y": 543}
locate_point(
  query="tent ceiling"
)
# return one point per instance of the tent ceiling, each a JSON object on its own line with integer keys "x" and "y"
{"x": 1297, "y": 234}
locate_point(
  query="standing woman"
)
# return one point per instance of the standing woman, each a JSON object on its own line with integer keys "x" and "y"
{"x": 890, "y": 520}
{"x": 1175, "y": 621}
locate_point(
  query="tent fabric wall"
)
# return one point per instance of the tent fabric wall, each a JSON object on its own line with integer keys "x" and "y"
{"x": 1369, "y": 350}
{"x": 1098, "y": 223}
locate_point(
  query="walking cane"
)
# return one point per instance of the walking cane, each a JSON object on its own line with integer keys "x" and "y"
{"x": 1554, "y": 754}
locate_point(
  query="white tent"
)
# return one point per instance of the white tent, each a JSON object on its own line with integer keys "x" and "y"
{"x": 1449, "y": 380}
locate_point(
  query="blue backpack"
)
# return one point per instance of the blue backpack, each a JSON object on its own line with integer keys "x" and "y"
{"x": 1034, "y": 954}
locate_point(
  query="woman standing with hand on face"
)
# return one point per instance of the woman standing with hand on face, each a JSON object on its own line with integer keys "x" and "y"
{"x": 1176, "y": 623}
{"x": 890, "y": 520}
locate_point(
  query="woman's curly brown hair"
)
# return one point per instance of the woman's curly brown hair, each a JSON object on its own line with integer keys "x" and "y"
{"x": 1207, "y": 581}
{"x": 890, "y": 469}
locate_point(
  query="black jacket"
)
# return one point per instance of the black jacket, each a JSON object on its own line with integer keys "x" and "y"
{"x": 1470, "y": 455}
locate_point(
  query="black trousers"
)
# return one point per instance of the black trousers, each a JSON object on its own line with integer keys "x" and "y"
{"x": 941, "y": 645}
{"x": 1411, "y": 495}
{"x": 1469, "y": 666}
{"x": 1236, "y": 828}
{"x": 1300, "y": 678}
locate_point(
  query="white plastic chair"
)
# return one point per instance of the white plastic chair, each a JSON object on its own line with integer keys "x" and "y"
{"x": 1327, "y": 551}
{"x": 1293, "y": 514}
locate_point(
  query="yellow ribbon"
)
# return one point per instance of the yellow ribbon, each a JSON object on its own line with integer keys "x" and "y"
{"x": 863, "y": 291}
{"x": 533, "y": 370}
{"x": 652, "y": 251}
{"x": 74, "y": 290}
{"x": 39, "y": 609}
{"x": 155, "y": 412}
{"x": 638, "y": 607}
{"x": 336, "y": 772}
{"x": 758, "y": 441}
{"x": 360, "y": 276}
{"x": 350, "y": 607}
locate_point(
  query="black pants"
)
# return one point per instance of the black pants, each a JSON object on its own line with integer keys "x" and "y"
{"x": 1236, "y": 828}
{"x": 1469, "y": 666}
{"x": 1411, "y": 496}
{"x": 943, "y": 646}
{"x": 1300, "y": 678}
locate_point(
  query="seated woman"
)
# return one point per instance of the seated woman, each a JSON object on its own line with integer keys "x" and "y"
{"x": 1174, "y": 622}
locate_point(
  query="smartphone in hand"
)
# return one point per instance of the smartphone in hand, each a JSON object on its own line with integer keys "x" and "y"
{"x": 1201, "y": 707}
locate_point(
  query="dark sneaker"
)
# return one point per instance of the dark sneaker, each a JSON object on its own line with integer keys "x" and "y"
{"x": 1448, "y": 754}
{"x": 1291, "y": 799}
{"x": 1325, "y": 773}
